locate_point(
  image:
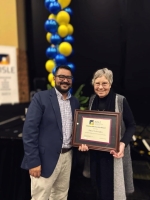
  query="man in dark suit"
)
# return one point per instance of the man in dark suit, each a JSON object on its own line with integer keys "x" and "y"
{"x": 47, "y": 135}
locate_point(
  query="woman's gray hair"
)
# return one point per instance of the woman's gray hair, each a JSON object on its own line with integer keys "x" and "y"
{"x": 103, "y": 72}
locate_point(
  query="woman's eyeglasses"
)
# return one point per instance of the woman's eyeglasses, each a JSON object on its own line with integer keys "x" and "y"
{"x": 104, "y": 84}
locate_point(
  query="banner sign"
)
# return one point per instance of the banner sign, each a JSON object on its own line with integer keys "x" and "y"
{"x": 8, "y": 75}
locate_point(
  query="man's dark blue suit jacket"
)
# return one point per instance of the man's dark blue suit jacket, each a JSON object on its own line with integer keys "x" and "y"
{"x": 42, "y": 132}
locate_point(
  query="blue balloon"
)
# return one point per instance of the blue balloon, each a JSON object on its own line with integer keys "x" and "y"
{"x": 54, "y": 71}
{"x": 69, "y": 39}
{"x": 51, "y": 52}
{"x": 55, "y": 39}
{"x": 54, "y": 7}
{"x": 60, "y": 59}
{"x": 47, "y": 3}
{"x": 71, "y": 90}
{"x": 51, "y": 26}
{"x": 72, "y": 66}
{"x": 69, "y": 11}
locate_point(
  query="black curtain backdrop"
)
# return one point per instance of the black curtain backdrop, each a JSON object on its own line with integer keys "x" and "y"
{"x": 113, "y": 34}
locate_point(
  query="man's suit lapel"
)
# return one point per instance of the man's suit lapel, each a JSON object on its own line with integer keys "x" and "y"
{"x": 55, "y": 104}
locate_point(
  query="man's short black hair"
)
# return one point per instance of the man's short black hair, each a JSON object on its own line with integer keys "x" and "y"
{"x": 63, "y": 67}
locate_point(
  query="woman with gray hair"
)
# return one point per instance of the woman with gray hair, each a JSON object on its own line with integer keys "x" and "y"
{"x": 112, "y": 171}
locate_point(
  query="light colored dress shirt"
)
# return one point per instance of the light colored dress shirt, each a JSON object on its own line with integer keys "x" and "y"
{"x": 66, "y": 117}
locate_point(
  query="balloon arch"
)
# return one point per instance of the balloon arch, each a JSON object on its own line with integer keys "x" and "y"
{"x": 59, "y": 35}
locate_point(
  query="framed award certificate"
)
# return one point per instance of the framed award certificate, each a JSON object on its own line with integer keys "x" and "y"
{"x": 99, "y": 130}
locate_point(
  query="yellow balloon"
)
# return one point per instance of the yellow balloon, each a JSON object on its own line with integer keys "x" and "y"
{"x": 49, "y": 65}
{"x": 63, "y": 30}
{"x": 53, "y": 83}
{"x": 70, "y": 29}
{"x": 65, "y": 48}
{"x": 48, "y": 37}
{"x": 64, "y": 3}
{"x": 52, "y": 16}
{"x": 63, "y": 17}
{"x": 50, "y": 77}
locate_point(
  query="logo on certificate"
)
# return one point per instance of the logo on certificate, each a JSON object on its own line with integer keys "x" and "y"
{"x": 91, "y": 122}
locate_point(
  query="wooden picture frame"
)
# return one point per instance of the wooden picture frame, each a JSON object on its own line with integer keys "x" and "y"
{"x": 99, "y": 130}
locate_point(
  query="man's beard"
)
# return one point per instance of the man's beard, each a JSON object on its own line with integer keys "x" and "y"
{"x": 62, "y": 91}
